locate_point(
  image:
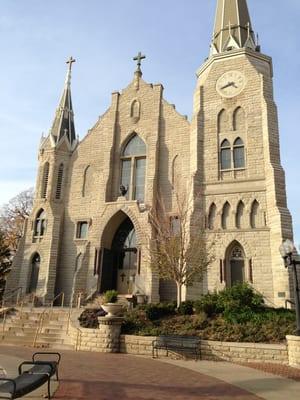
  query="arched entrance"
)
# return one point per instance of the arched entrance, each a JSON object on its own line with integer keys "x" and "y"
{"x": 34, "y": 274}
{"x": 236, "y": 261}
{"x": 119, "y": 263}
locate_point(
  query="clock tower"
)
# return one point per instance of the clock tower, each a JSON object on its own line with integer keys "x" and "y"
{"x": 235, "y": 160}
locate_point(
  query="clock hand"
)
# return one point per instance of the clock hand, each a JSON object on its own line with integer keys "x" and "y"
{"x": 228, "y": 84}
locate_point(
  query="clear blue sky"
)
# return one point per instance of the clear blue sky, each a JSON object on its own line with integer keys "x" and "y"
{"x": 36, "y": 37}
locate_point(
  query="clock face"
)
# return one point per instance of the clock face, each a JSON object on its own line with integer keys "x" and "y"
{"x": 231, "y": 84}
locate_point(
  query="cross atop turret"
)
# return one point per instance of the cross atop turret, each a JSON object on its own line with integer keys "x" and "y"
{"x": 70, "y": 61}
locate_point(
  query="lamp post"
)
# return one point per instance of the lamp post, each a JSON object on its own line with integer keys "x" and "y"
{"x": 292, "y": 259}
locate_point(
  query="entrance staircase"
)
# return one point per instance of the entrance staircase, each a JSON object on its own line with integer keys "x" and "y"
{"x": 37, "y": 327}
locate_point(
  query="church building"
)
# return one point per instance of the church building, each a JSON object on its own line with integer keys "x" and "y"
{"x": 89, "y": 228}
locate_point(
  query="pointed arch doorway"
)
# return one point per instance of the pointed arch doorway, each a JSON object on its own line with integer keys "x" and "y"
{"x": 235, "y": 260}
{"x": 34, "y": 273}
{"x": 120, "y": 256}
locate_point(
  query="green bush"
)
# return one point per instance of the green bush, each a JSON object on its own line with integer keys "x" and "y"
{"x": 89, "y": 317}
{"x": 160, "y": 310}
{"x": 237, "y": 304}
{"x": 186, "y": 308}
{"x": 207, "y": 304}
{"x": 240, "y": 295}
{"x": 111, "y": 296}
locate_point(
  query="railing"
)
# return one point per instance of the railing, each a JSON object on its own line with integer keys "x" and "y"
{"x": 4, "y": 323}
{"x": 287, "y": 301}
{"x": 14, "y": 292}
{"x": 77, "y": 305}
{"x": 40, "y": 326}
{"x": 264, "y": 297}
{"x": 62, "y": 295}
{"x": 78, "y": 339}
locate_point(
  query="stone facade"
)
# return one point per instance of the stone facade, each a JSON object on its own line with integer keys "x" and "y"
{"x": 238, "y": 191}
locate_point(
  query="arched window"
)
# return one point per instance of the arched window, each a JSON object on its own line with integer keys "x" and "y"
{"x": 212, "y": 216}
{"x": 34, "y": 273}
{"x": 225, "y": 155}
{"x": 239, "y": 119}
{"x": 87, "y": 181}
{"x": 60, "y": 176}
{"x": 45, "y": 180}
{"x": 226, "y": 215}
{"x": 135, "y": 109}
{"x": 254, "y": 215}
{"x": 133, "y": 162}
{"x": 222, "y": 121}
{"x": 40, "y": 223}
{"x": 238, "y": 153}
{"x": 237, "y": 265}
{"x": 240, "y": 215}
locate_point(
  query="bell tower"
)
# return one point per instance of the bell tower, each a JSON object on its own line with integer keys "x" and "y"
{"x": 42, "y": 237}
{"x": 235, "y": 159}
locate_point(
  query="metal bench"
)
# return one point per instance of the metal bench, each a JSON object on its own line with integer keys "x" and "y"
{"x": 184, "y": 344}
{"x": 30, "y": 379}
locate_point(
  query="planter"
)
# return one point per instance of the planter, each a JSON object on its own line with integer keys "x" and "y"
{"x": 113, "y": 309}
{"x": 140, "y": 298}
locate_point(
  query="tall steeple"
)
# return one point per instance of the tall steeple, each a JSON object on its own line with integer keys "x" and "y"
{"x": 63, "y": 124}
{"x": 233, "y": 29}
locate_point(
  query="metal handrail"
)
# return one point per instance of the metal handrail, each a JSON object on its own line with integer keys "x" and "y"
{"x": 62, "y": 295}
{"x": 12, "y": 292}
{"x": 40, "y": 326}
{"x": 78, "y": 338}
{"x": 287, "y": 301}
{"x": 4, "y": 323}
{"x": 264, "y": 297}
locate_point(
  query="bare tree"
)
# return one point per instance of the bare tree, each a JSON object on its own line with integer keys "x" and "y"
{"x": 13, "y": 215}
{"x": 179, "y": 251}
{"x": 5, "y": 263}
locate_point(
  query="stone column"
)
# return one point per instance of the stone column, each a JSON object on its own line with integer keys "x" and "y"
{"x": 294, "y": 350}
{"x": 110, "y": 330}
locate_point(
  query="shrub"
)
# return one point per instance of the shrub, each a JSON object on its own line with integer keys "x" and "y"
{"x": 207, "y": 304}
{"x": 111, "y": 296}
{"x": 186, "y": 308}
{"x": 240, "y": 296}
{"x": 157, "y": 311}
{"x": 238, "y": 304}
{"x": 89, "y": 318}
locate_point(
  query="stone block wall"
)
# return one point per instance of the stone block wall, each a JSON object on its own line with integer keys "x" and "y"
{"x": 244, "y": 352}
{"x": 215, "y": 351}
{"x": 294, "y": 350}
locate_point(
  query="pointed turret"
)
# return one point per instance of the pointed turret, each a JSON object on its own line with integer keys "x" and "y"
{"x": 63, "y": 124}
{"x": 233, "y": 29}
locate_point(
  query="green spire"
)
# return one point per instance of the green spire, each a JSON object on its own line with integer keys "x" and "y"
{"x": 233, "y": 29}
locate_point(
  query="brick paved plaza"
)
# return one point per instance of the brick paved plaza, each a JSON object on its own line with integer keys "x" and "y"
{"x": 99, "y": 376}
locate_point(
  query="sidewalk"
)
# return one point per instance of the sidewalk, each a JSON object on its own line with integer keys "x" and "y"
{"x": 262, "y": 384}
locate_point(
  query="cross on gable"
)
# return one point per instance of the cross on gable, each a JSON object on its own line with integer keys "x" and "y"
{"x": 139, "y": 59}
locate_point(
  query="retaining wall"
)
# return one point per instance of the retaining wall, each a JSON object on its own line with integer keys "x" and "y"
{"x": 294, "y": 350}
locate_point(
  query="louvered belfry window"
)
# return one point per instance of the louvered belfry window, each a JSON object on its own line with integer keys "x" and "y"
{"x": 60, "y": 176}
{"x": 45, "y": 180}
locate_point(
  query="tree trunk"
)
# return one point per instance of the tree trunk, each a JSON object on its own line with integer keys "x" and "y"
{"x": 179, "y": 294}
